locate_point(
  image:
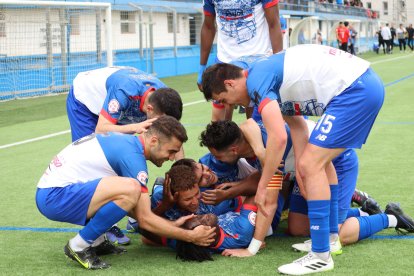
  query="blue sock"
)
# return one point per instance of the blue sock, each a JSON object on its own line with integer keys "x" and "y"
{"x": 370, "y": 225}
{"x": 105, "y": 217}
{"x": 353, "y": 213}
{"x": 318, "y": 212}
{"x": 333, "y": 216}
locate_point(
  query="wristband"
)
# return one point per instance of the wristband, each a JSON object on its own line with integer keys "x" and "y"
{"x": 200, "y": 73}
{"x": 254, "y": 246}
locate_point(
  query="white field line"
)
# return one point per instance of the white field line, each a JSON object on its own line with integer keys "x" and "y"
{"x": 67, "y": 131}
{"x": 391, "y": 59}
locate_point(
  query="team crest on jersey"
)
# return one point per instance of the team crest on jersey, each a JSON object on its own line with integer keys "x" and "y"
{"x": 113, "y": 106}
{"x": 142, "y": 177}
{"x": 252, "y": 218}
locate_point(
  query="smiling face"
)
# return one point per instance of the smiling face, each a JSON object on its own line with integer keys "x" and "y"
{"x": 229, "y": 155}
{"x": 163, "y": 149}
{"x": 235, "y": 93}
{"x": 189, "y": 200}
{"x": 205, "y": 176}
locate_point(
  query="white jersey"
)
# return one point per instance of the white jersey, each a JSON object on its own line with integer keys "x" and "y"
{"x": 305, "y": 77}
{"x": 76, "y": 164}
{"x": 89, "y": 87}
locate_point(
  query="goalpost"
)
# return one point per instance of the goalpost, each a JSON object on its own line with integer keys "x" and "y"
{"x": 44, "y": 44}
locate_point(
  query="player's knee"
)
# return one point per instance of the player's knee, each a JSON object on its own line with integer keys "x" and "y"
{"x": 132, "y": 192}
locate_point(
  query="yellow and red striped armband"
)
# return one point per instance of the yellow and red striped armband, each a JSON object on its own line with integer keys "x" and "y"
{"x": 276, "y": 182}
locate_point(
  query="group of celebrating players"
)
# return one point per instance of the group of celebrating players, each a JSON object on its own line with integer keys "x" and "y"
{"x": 234, "y": 196}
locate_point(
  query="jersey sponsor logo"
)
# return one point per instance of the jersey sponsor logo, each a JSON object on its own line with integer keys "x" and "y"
{"x": 142, "y": 177}
{"x": 252, "y": 218}
{"x": 113, "y": 106}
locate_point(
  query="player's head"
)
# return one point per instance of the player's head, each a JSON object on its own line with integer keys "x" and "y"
{"x": 226, "y": 84}
{"x": 183, "y": 182}
{"x": 222, "y": 138}
{"x": 190, "y": 252}
{"x": 205, "y": 177}
{"x": 346, "y": 23}
{"x": 164, "y": 101}
{"x": 164, "y": 139}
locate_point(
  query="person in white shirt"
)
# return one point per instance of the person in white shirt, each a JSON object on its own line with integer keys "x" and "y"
{"x": 386, "y": 35}
{"x": 401, "y": 37}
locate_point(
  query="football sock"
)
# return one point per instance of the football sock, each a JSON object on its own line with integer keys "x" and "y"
{"x": 370, "y": 225}
{"x": 333, "y": 215}
{"x": 318, "y": 212}
{"x": 104, "y": 218}
{"x": 78, "y": 243}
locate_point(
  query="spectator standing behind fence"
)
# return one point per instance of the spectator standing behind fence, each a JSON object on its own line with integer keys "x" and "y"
{"x": 352, "y": 39}
{"x": 393, "y": 35}
{"x": 380, "y": 41}
{"x": 386, "y": 36}
{"x": 317, "y": 38}
{"x": 410, "y": 34}
{"x": 400, "y": 32}
{"x": 244, "y": 29}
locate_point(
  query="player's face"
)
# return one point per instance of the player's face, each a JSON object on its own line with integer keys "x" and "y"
{"x": 163, "y": 150}
{"x": 228, "y": 156}
{"x": 206, "y": 219}
{"x": 205, "y": 176}
{"x": 189, "y": 200}
{"x": 236, "y": 93}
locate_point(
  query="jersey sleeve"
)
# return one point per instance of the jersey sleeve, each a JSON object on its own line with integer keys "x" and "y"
{"x": 156, "y": 197}
{"x": 115, "y": 102}
{"x": 131, "y": 166}
{"x": 208, "y": 8}
{"x": 269, "y": 3}
{"x": 263, "y": 87}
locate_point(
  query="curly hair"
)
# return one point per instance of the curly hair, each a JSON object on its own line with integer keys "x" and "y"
{"x": 220, "y": 135}
{"x": 215, "y": 75}
{"x": 167, "y": 101}
{"x": 187, "y": 251}
{"x": 168, "y": 127}
{"x": 182, "y": 178}
{"x": 185, "y": 162}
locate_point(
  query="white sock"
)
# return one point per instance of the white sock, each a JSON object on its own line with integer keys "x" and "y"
{"x": 269, "y": 231}
{"x": 131, "y": 220}
{"x": 322, "y": 255}
{"x": 78, "y": 243}
{"x": 362, "y": 213}
{"x": 99, "y": 240}
{"x": 392, "y": 221}
{"x": 333, "y": 237}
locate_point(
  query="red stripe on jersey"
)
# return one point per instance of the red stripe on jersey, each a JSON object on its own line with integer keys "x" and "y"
{"x": 263, "y": 104}
{"x": 250, "y": 207}
{"x": 220, "y": 242}
{"x": 164, "y": 241}
{"x": 239, "y": 204}
{"x": 229, "y": 18}
{"x": 297, "y": 109}
{"x": 218, "y": 105}
{"x": 208, "y": 13}
{"x": 141, "y": 105}
{"x": 271, "y": 4}
{"x": 144, "y": 189}
{"x": 108, "y": 117}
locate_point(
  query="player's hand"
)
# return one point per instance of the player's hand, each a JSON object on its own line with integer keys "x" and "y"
{"x": 203, "y": 235}
{"x": 241, "y": 252}
{"x": 168, "y": 199}
{"x": 213, "y": 197}
{"x": 142, "y": 127}
{"x": 225, "y": 186}
{"x": 182, "y": 220}
{"x": 200, "y": 76}
{"x": 260, "y": 201}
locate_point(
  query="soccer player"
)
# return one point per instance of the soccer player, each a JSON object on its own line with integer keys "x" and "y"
{"x": 243, "y": 29}
{"x": 235, "y": 227}
{"x": 118, "y": 99}
{"x": 313, "y": 80}
{"x": 99, "y": 179}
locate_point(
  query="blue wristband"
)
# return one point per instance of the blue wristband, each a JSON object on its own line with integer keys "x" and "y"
{"x": 200, "y": 73}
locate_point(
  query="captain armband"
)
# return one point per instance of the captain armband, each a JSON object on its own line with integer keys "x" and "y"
{"x": 275, "y": 182}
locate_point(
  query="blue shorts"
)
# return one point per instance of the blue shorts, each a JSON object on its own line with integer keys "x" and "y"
{"x": 349, "y": 117}
{"x": 278, "y": 215}
{"x": 82, "y": 121}
{"x": 346, "y": 166}
{"x": 67, "y": 204}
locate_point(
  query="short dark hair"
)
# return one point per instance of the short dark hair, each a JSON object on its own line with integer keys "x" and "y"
{"x": 214, "y": 77}
{"x": 167, "y": 101}
{"x": 220, "y": 135}
{"x": 346, "y": 23}
{"x": 191, "y": 163}
{"x": 187, "y": 251}
{"x": 182, "y": 178}
{"x": 168, "y": 127}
